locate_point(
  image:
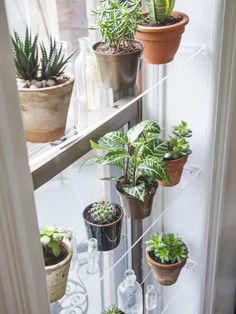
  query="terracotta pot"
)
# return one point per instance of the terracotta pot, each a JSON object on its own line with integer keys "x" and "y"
{"x": 108, "y": 236}
{"x": 161, "y": 43}
{"x": 165, "y": 274}
{"x": 135, "y": 208}
{"x": 175, "y": 169}
{"x": 57, "y": 275}
{"x": 118, "y": 72}
{"x": 44, "y": 111}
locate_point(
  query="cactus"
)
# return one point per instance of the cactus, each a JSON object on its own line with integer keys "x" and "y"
{"x": 103, "y": 212}
{"x": 112, "y": 310}
{"x": 159, "y": 10}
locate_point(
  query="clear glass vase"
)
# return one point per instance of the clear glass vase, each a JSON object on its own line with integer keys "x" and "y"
{"x": 87, "y": 79}
{"x": 129, "y": 292}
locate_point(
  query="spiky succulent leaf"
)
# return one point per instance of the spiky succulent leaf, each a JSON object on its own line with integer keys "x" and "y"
{"x": 112, "y": 310}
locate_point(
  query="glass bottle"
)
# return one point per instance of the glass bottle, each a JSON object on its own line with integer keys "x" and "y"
{"x": 87, "y": 78}
{"x": 151, "y": 298}
{"x": 92, "y": 256}
{"x": 129, "y": 292}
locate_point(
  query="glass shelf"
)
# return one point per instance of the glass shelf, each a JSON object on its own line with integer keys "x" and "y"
{"x": 106, "y": 118}
{"x": 81, "y": 285}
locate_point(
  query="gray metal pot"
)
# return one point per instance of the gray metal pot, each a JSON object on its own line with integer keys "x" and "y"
{"x": 118, "y": 72}
{"x": 135, "y": 208}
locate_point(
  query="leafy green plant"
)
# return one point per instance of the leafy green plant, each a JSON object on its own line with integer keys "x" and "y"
{"x": 168, "y": 248}
{"x": 25, "y": 52}
{"x": 178, "y": 146}
{"x": 112, "y": 310}
{"x": 118, "y": 21}
{"x": 51, "y": 238}
{"x": 103, "y": 212}
{"x": 159, "y": 10}
{"x": 138, "y": 153}
{"x": 29, "y": 66}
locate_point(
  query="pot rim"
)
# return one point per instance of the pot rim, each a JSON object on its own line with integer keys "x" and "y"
{"x": 130, "y": 196}
{"x": 119, "y": 55}
{"x": 68, "y": 82}
{"x": 164, "y": 266}
{"x": 106, "y": 225}
{"x": 175, "y": 161}
{"x": 68, "y": 257}
{"x": 167, "y": 28}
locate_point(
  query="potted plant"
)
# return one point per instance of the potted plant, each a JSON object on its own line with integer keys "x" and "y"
{"x": 178, "y": 152}
{"x": 113, "y": 310}
{"x": 103, "y": 221}
{"x": 166, "y": 254}
{"x": 44, "y": 88}
{"x": 139, "y": 154}
{"x": 118, "y": 54}
{"x": 161, "y": 31}
{"x": 57, "y": 251}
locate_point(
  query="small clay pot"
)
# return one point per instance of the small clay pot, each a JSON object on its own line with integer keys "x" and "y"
{"x": 44, "y": 111}
{"x": 175, "y": 169}
{"x": 161, "y": 43}
{"x": 57, "y": 275}
{"x": 118, "y": 72}
{"x": 165, "y": 274}
{"x": 108, "y": 235}
{"x": 135, "y": 208}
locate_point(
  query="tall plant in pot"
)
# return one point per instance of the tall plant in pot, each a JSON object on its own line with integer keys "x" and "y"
{"x": 178, "y": 152}
{"x": 139, "y": 154}
{"x": 166, "y": 254}
{"x": 57, "y": 251}
{"x": 161, "y": 31}
{"x": 118, "y": 53}
{"x": 44, "y": 87}
{"x": 103, "y": 222}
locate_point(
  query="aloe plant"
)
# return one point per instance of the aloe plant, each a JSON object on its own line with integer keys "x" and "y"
{"x": 118, "y": 21}
{"x": 168, "y": 248}
{"x": 112, "y": 310}
{"x": 138, "y": 153}
{"x": 159, "y": 10}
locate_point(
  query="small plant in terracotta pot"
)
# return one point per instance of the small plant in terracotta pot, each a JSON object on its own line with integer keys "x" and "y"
{"x": 44, "y": 89}
{"x": 103, "y": 222}
{"x": 166, "y": 254}
{"x": 139, "y": 154}
{"x": 178, "y": 152}
{"x": 57, "y": 251}
{"x": 113, "y": 310}
{"x": 118, "y": 53}
{"x": 161, "y": 31}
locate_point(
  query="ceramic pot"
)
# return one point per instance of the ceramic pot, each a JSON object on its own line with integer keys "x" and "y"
{"x": 165, "y": 274}
{"x": 175, "y": 169}
{"x": 118, "y": 72}
{"x": 44, "y": 111}
{"x": 57, "y": 275}
{"x": 135, "y": 208}
{"x": 108, "y": 235}
{"x": 161, "y": 43}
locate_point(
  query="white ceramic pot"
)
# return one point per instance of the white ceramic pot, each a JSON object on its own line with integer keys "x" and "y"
{"x": 57, "y": 275}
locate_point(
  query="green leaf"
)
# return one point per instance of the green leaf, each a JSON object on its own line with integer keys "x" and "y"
{"x": 154, "y": 169}
{"x": 93, "y": 160}
{"x": 45, "y": 240}
{"x": 112, "y": 158}
{"x": 153, "y": 127}
{"x": 56, "y": 249}
{"x": 111, "y": 178}
{"x": 136, "y": 191}
{"x": 135, "y": 131}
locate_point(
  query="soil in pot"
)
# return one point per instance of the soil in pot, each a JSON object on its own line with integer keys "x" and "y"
{"x": 51, "y": 259}
{"x": 44, "y": 109}
{"x": 118, "y": 68}
{"x": 161, "y": 40}
{"x": 165, "y": 274}
{"x": 57, "y": 272}
{"x": 175, "y": 169}
{"x": 133, "y": 207}
{"x": 107, "y": 235}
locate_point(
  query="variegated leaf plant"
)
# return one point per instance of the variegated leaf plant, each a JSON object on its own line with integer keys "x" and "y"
{"x": 159, "y": 10}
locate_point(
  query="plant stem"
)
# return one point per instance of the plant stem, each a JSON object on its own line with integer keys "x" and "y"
{"x": 127, "y": 166}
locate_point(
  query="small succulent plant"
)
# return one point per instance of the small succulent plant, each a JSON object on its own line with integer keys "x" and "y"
{"x": 51, "y": 238}
{"x": 112, "y": 310}
{"x": 178, "y": 146}
{"x": 168, "y": 248}
{"x": 159, "y": 10}
{"x": 34, "y": 69}
{"x": 103, "y": 212}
